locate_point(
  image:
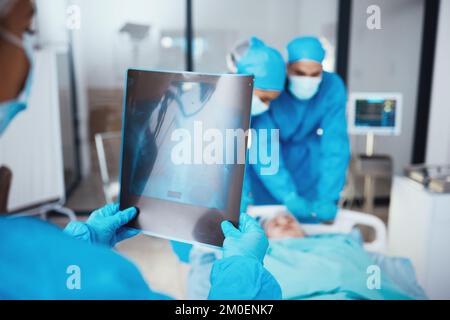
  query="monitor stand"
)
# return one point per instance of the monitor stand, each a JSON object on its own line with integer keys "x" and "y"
{"x": 371, "y": 167}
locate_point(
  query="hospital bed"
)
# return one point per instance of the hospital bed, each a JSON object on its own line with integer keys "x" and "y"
{"x": 399, "y": 270}
{"x": 345, "y": 222}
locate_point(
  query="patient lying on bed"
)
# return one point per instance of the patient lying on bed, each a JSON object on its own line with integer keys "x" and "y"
{"x": 333, "y": 266}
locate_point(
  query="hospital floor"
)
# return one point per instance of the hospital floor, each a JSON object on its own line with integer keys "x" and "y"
{"x": 157, "y": 262}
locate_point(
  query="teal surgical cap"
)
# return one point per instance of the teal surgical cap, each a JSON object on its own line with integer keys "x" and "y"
{"x": 305, "y": 48}
{"x": 265, "y": 63}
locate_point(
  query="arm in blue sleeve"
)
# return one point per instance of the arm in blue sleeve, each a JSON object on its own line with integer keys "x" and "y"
{"x": 63, "y": 267}
{"x": 266, "y": 159}
{"x": 335, "y": 146}
{"x": 242, "y": 278}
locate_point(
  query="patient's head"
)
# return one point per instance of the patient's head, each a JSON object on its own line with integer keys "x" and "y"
{"x": 283, "y": 226}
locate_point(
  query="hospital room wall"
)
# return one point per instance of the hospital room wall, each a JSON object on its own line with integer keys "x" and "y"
{"x": 388, "y": 60}
{"x": 53, "y": 32}
{"x": 101, "y": 62}
{"x": 107, "y": 53}
{"x": 438, "y": 144}
{"x": 220, "y": 24}
{"x": 102, "y": 54}
{"x": 225, "y": 23}
{"x": 392, "y": 69}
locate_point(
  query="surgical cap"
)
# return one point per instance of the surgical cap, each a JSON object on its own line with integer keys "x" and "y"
{"x": 5, "y": 6}
{"x": 305, "y": 48}
{"x": 265, "y": 63}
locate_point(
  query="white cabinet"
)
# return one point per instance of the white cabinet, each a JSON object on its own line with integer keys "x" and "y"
{"x": 419, "y": 229}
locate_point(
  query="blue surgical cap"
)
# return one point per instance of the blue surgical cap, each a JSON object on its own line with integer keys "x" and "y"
{"x": 305, "y": 48}
{"x": 265, "y": 63}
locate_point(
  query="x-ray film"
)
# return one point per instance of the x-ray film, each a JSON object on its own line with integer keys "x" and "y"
{"x": 183, "y": 152}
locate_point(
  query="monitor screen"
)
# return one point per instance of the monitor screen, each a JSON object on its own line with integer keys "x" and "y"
{"x": 375, "y": 113}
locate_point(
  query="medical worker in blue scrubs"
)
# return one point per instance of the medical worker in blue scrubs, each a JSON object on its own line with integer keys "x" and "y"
{"x": 267, "y": 66}
{"x": 40, "y": 261}
{"x": 314, "y": 145}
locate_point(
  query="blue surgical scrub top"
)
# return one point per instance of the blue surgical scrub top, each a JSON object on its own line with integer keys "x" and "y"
{"x": 314, "y": 146}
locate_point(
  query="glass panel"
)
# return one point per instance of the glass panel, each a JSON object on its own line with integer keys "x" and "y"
{"x": 219, "y": 25}
{"x": 115, "y": 35}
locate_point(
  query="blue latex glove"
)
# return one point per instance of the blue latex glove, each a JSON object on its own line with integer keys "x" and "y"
{"x": 299, "y": 206}
{"x": 325, "y": 210}
{"x": 246, "y": 201}
{"x": 249, "y": 241}
{"x": 105, "y": 226}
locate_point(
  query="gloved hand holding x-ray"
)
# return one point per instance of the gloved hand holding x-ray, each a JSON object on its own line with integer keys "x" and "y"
{"x": 105, "y": 226}
{"x": 179, "y": 166}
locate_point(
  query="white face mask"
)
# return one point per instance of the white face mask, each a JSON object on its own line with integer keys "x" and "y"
{"x": 304, "y": 88}
{"x": 258, "y": 106}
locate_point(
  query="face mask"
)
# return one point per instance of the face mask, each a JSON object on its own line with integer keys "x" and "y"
{"x": 258, "y": 106}
{"x": 9, "y": 109}
{"x": 304, "y": 88}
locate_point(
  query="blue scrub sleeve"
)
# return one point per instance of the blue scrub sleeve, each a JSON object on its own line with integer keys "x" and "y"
{"x": 275, "y": 177}
{"x": 38, "y": 261}
{"x": 334, "y": 147}
{"x": 242, "y": 278}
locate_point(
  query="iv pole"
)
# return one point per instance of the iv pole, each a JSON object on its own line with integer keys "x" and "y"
{"x": 369, "y": 181}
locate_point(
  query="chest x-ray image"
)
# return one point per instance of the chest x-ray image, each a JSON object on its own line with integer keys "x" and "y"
{"x": 170, "y": 122}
